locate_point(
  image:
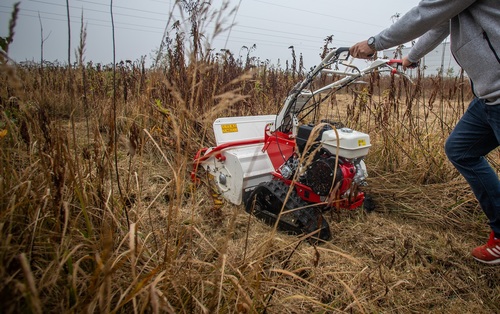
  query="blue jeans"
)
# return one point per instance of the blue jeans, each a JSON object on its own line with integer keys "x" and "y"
{"x": 476, "y": 134}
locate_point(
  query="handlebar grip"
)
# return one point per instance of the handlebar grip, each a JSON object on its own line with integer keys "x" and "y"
{"x": 399, "y": 62}
{"x": 342, "y": 49}
{"x": 395, "y": 61}
{"x": 414, "y": 65}
{"x": 341, "y": 52}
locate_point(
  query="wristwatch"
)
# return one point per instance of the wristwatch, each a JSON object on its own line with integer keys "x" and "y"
{"x": 371, "y": 43}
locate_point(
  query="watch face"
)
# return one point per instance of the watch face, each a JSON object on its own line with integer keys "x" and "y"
{"x": 371, "y": 41}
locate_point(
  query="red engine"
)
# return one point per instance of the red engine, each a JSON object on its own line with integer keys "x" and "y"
{"x": 318, "y": 175}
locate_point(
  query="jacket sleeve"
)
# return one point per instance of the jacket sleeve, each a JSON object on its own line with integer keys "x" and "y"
{"x": 427, "y": 15}
{"x": 429, "y": 41}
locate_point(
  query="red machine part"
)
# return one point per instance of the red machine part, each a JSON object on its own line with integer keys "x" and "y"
{"x": 279, "y": 147}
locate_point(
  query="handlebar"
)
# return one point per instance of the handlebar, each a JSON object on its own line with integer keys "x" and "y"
{"x": 395, "y": 61}
{"x": 399, "y": 62}
{"x": 299, "y": 96}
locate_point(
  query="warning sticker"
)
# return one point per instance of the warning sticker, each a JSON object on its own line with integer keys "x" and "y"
{"x": 361, "y": 143}
{"x": 229, "y": 128}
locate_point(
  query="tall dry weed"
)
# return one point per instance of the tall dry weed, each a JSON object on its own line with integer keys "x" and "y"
{"x": 66, "y": 244}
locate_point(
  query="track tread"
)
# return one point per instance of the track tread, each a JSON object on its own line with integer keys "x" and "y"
{"x": 305, "y": 220}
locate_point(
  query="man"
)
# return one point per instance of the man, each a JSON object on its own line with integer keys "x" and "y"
{"x": 474, "y": 29}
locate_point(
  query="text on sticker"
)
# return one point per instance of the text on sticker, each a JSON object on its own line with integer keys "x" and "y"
{"x": 229, "y": 128}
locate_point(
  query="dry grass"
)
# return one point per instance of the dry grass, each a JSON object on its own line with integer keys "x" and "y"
{"x": 79, "y": 234}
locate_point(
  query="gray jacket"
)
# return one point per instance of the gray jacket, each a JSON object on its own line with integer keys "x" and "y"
{"x": 474, "y": 29}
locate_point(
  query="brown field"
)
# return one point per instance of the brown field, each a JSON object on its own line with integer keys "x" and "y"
{"x": 98, "y": 212}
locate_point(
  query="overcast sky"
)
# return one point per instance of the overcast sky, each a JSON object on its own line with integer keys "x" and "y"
{"x": 271, "y": 25}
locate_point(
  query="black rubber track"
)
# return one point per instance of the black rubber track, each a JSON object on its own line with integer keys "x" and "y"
{"x": 266, "y": 202}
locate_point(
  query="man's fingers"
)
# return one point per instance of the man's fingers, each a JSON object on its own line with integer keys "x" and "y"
{"x": 353, "y": 51}
{"x": 361, "y": 50}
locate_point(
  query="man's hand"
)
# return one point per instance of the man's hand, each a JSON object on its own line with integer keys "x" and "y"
{"x": 408, "y": 64}
{"x": 361, "y": 50}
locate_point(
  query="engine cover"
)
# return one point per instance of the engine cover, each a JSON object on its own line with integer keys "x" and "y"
{"x": 350, "y": 143}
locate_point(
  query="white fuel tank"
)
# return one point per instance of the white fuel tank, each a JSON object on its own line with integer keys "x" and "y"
{"x": 352, "y": 144}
